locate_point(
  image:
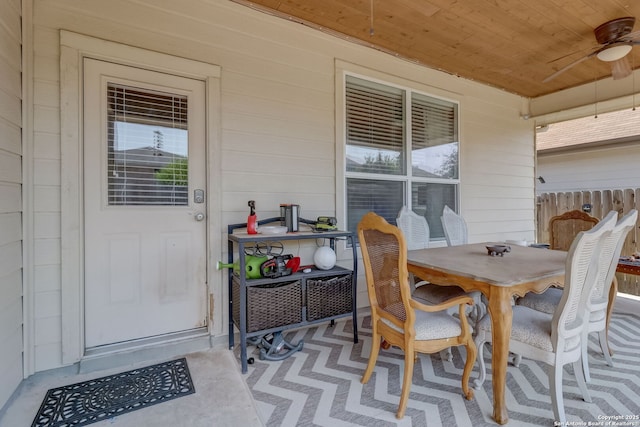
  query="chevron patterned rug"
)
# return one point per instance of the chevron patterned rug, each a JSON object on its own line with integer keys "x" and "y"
{"x": 320, "y": 385}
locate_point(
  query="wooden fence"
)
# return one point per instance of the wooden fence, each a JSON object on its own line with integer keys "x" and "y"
{"x": 600, "y": 203}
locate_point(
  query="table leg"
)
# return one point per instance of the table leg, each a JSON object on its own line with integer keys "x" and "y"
{"x": 501, "y": 317}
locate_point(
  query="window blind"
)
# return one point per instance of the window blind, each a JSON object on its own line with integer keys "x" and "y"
{"x": 434, "y": 137}
{"x": 374, "y": 127}
{"x": 380, "y": 196}
{"x": 133, "y": 105}
{"x": 432, "y": 122}
{"x": 147, "y": 147}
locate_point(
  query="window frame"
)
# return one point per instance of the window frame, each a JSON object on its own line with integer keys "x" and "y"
{"x": 345, "y": 70}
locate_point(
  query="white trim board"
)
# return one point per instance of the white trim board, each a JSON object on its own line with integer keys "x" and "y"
{"x": 73, "y": 48}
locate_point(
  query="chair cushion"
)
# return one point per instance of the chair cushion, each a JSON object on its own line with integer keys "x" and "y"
{"x": 432, "y": 326}
{"x": 545, "y": 302}
{"x": 531, "y": 327}
{"x": 435, "y": 294}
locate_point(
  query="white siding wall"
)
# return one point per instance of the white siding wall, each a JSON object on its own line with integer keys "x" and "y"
{"x": 604, "y": 168}
{"x": 46, "y": 201}
{"x": 10, "y": 199}
{"x": 497, "y": 172}
{"x": 278, "y": 124}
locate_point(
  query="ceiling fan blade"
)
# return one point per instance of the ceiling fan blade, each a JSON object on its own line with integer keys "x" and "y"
{"x": 568, "y": 54}
{"x": 634, "y": 36}
{"x": 566, "y": 67}
{"x": 586, "y": 52}
{"x": 620, "y": 68}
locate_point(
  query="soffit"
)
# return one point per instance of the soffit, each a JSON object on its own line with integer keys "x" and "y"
{"x": 508, "y": 44}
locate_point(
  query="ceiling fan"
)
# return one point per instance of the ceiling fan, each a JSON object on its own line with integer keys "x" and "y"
{"x": 616, "y": 40}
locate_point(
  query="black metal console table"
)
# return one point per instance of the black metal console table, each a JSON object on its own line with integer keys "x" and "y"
{"x": 268, "y": 305}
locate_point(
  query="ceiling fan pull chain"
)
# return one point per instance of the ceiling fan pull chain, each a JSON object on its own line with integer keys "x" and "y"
{"x": 595, "y": 88}
{"x": 633, "y": 79}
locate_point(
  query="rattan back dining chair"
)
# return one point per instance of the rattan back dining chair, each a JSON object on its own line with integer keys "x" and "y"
{"x": 400, "y": 320}
{"x": 556, "y": 339}
{"x": 564, "y": 228}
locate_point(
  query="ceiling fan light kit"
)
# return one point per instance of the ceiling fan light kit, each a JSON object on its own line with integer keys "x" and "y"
{"x": 614, "y": 53}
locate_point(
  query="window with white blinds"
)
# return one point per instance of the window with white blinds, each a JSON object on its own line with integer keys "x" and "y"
{"x": 147, "y": 147}
{"x": 401, "y": 149}
{"x": 434, "y": 137}
{"x": 375, "y": 128}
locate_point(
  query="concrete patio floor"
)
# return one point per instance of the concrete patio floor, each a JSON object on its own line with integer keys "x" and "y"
{"x": 222, "y": 397}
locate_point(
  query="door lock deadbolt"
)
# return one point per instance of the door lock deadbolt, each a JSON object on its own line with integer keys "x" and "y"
{"x": 198, "y": 196}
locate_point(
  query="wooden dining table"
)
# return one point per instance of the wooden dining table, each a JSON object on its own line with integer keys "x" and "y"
{"x": 626, "y": 265}
{"x": 499, "y": 279}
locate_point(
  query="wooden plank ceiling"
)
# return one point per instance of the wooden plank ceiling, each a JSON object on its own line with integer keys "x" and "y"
{"x": 509, "y": 44}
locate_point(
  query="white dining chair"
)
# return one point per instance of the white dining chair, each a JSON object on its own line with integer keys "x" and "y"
{"x": 416, "y": 232}
{"x": 456, "y": 233}
{"x": 556, "y": 339}
{"x": 455, "y": 227}
{"x": 598, "y": 304}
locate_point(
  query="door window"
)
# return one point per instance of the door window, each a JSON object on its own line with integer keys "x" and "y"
{"x": 147, "y": 147}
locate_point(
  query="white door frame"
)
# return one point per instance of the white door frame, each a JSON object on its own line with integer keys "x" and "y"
{"x": 73, "y": 49}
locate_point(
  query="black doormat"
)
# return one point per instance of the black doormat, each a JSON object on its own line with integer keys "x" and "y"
{"x": 103, "y": 398}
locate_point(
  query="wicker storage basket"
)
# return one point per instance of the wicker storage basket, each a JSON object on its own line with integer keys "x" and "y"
{"x": 269, "y": 306}
{"x": 329, "y": 296}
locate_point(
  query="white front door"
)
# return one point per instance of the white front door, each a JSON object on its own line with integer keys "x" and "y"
{"x": 144, "y": 204}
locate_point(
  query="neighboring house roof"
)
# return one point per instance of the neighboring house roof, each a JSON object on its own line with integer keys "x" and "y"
{"x": 354, "y": 164}
{"x": 617, "y": 126}
{"x": 145, "y": 157}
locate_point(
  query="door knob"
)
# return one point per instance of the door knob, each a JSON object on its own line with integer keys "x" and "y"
{"x": 199, "y": 216}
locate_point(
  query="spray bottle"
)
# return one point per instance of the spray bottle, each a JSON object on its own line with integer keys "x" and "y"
{"x": 252, "y": 220}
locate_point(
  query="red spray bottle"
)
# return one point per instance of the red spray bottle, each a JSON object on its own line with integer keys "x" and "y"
{"x": 252, "y": 220}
